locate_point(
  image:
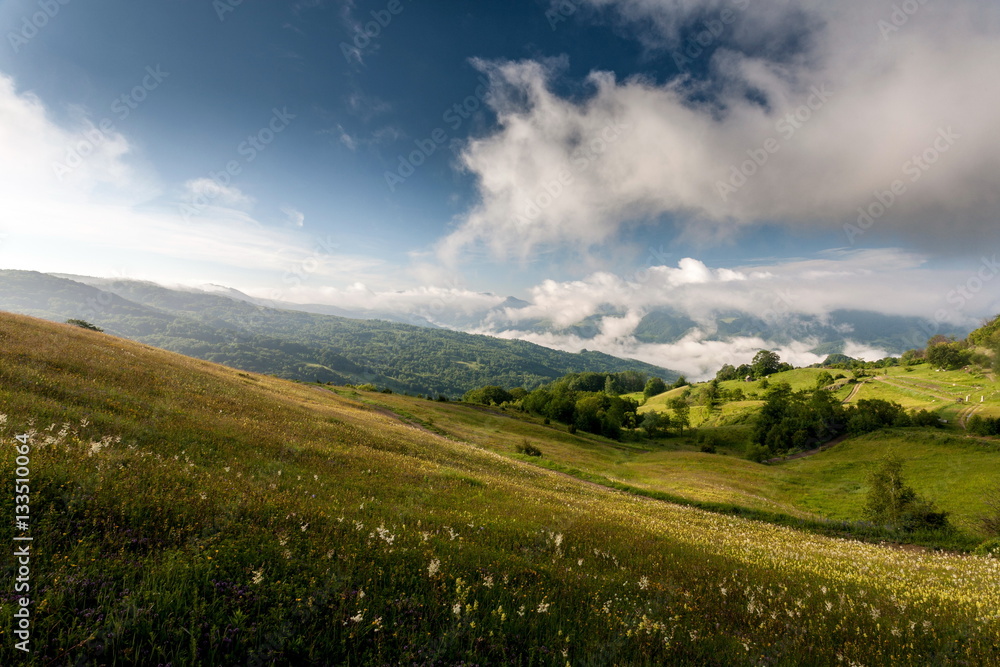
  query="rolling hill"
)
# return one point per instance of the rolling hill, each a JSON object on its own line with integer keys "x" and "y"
{"x": 188, "y": 513}
{"x": 296, "y": 344}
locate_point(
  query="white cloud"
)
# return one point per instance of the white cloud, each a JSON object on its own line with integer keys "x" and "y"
{"x": 103, "y": 216}
{"x": 565, "y": 172}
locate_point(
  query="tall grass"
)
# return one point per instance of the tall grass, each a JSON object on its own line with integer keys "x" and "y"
{"x": 184, "y": 513}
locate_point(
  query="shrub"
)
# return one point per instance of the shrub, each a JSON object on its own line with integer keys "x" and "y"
{"x": 990, "y": 521}
{"x": 757, "y": 453}
{"x": 892, "y": 503}
{"x": 83, "y": 324}
{"x": 528, "y": 449}
{"x": 925, "y": 418}
{"x": 989, "y": 548}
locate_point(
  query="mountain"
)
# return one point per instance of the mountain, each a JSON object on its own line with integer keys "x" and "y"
{"x": 827, "y": 334}
{"x": 297, "y": 344}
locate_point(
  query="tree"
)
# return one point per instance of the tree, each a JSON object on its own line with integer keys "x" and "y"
{"x": 765, "y": 363}
{"x": 891, "y": 502}
{"x": 727, "y": 372}
{"x": 654, "y": 423}
{"x": 990, "y": 521}
{"x": 681, "y": 382}
{"x": 948, "y": 356}
{"x": 912, "y": 357}
{"x": 489, "y": 395}
{"x": 83, "y": 324}
{"x": 682, "y": 414}
{"x": 824, "y": 379}
{"x": 654, "y": 387}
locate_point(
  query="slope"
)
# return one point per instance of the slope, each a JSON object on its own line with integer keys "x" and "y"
{"x": 300, "y": 345}
{"x": 189, "y": 513}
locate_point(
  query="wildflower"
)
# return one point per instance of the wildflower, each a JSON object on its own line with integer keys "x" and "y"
{"x": 543, "y": 607}
{"x": 457, "y": 609}
{"x": 488, "y": 581}
{"x": 304, "y": 526}
{"x": 357, "y": 617}
{"x": 258, "y": 576}
{"x": 644, "y": 584}
{"x": 434, "y": 567}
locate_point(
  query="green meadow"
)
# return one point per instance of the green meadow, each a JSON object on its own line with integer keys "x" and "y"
{"x": 183, "y": 512}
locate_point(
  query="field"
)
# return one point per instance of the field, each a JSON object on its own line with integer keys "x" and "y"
{"x": 187, "y": 513}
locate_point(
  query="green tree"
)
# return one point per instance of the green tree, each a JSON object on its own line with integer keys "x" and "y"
{"x": 948, "y": 356}
{"x": 655, "y": 423}
{"x": 654, "y": 387}
{"x": 765, "y": 363}
{"x": 727, "y": 372}
{"x": 682, "y": 414}
{"x": 990, "y": 520}
{"x": 891, "y": 502}
{"x": 489, "y": 395}
{"x": 824, "y": 379}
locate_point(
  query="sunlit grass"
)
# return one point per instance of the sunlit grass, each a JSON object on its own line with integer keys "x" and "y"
{"x": 185, "y": 513}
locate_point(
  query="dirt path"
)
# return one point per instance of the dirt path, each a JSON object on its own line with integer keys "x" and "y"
{"x": 802, "y": 455}
{"x": 854, "y": 392}
{"x": 965, "y": 413}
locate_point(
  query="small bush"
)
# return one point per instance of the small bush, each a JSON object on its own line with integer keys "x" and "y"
{"x": 83, "y": 324}
{"x": 757, "y": 453}
{"x": 989, "y": 548}
{"x": 528, "y": 449}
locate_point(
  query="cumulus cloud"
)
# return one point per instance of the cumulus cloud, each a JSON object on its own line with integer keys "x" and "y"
{"x": 809, "y": 111}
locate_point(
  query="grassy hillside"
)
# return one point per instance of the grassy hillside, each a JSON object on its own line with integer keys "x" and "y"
{"x": 300, "y": 345}
{"x": 187, "y": 513}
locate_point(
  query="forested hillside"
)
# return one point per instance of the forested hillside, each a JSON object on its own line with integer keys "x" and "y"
{"x": 299, "y": 345}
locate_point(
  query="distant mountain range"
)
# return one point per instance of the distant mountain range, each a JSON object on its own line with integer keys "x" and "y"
{"x": 290, "y": 341}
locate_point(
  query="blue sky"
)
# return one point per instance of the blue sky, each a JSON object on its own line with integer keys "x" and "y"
{"x": 268, "y": 146}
